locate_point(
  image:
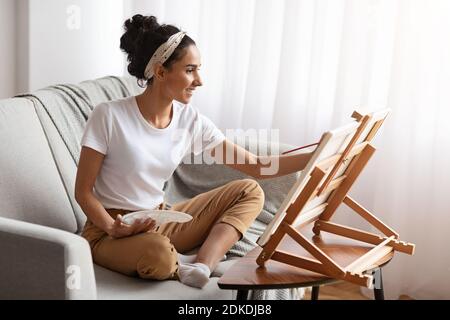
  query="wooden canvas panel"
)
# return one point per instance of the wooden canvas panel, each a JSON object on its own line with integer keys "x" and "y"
{"x": 332, "y": 142}
{"x": 375, "y": 117}
{"x": 321, "y": 200}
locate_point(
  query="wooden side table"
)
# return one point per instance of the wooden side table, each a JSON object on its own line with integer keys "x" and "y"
{"x": 246, "y": 275}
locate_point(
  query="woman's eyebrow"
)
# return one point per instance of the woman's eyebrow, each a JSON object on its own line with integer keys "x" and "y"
{"x": 193, "y": 65}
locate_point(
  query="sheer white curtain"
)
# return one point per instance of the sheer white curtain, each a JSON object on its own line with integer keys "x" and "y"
{"x": 302, "y": 66}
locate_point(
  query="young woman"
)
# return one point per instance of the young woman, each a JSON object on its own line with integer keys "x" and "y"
{"x": 129, "y": 151}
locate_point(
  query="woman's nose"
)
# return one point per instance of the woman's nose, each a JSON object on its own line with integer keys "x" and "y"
{"x": 198, "y": 80}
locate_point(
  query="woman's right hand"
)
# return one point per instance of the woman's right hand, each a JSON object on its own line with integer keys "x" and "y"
{"x": 119, "y": 229}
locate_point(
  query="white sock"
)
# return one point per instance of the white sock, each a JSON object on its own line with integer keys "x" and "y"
{"x": 194, "y": 274}
{"x": 182, "y": 258}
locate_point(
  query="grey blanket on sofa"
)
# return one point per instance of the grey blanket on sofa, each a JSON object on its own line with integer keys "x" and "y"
{"x": 67, "y": 108}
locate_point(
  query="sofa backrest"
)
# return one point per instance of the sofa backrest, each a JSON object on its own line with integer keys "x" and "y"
{"x": 37, "y": 170}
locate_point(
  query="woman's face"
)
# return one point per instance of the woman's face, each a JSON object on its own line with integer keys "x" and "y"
{"x": 183, "y": 76}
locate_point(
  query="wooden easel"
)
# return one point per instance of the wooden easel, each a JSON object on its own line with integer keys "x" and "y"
{"x": 323, "y": 190}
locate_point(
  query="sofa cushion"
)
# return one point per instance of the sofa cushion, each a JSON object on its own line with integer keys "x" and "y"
{"x": 30, "y": 184}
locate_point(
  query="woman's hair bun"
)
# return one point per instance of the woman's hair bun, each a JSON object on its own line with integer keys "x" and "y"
{"x": 135, "y": 27}
{"x": 140, "y": 22}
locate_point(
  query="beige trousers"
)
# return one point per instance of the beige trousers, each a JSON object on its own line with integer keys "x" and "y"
{"x": 153, "y": 255}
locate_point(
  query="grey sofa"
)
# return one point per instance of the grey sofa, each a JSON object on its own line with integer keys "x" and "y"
{"x": 42, "y": 254}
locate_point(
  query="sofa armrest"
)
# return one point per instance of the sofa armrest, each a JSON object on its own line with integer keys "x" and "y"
{"x": 39, "y": 262}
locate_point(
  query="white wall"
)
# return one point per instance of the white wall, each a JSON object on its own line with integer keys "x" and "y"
{"x": 7, "y": 48}
{"x": 45, "y": 42}
{"x": 71, "y": 41}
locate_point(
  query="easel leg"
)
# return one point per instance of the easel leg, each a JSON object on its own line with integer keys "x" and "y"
{"x": 242, "y": 295}
{"x": 378, "y": 290}
{"x": 315, "y": 293}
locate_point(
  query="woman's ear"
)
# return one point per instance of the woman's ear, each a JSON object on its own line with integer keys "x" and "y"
{"x": 159, "y": 71}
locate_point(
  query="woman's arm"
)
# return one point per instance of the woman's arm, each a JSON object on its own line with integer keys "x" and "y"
{"x": 89, "y": 166}
{"x": 259, "y": 167}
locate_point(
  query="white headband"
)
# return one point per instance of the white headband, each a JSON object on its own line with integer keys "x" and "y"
{"x": 163, "y": 53}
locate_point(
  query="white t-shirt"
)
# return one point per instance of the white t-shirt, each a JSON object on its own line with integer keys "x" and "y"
{"x": 140, "y": 158}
